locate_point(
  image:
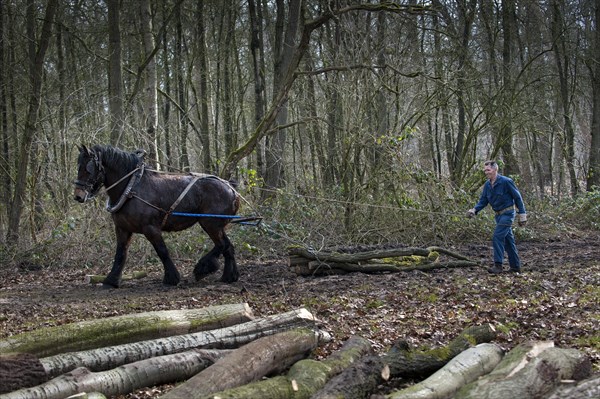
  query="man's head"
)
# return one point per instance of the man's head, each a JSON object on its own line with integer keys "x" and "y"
{"x": 490, "y": 168}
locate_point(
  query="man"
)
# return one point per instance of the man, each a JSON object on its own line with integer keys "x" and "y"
{"x": 502, "y": 194}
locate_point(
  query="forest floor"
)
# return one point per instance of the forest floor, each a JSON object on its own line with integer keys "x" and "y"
{"x": 557, "y": 297}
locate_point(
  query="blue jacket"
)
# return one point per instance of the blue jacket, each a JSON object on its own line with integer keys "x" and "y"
{"x": 502, "y": 195}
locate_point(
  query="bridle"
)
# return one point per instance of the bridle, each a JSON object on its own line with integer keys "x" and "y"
{"x": 92, "y": 186}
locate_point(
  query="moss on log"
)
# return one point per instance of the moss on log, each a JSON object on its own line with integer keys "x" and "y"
{"x": 228, "y": 337}
{"x": 124, "y": 329}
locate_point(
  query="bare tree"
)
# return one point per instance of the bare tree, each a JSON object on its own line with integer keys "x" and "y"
{"x": 115, "y": 79}
{"x": 30, "y": 129}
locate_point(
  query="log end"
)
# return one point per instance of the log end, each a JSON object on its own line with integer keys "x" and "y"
{"x": 20, "y": 370}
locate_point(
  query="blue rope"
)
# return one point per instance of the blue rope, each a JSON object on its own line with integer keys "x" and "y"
{"x": 245, "y": 220}
{"x": 207, "y": 215}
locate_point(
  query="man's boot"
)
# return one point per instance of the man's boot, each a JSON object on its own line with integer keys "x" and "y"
{"x": 496, "y": 269}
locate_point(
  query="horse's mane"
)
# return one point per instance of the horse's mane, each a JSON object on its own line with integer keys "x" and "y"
{"x": 117, "y": 158}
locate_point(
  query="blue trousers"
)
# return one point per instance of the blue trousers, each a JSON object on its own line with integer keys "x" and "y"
{"x": 504, "y": 240}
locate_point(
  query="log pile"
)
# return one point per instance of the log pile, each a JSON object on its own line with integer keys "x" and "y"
{"x": 307, "y": 262}
{"x": 234, "y": 361}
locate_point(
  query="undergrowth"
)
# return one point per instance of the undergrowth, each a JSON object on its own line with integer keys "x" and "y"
{"x": 82, "y": 235}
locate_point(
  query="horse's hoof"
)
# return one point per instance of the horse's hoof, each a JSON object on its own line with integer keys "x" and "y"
{"x": 230, "y": 279}
{"x": 108, "y": 286}
{"x": 199, "y": 276}
{"x": 170, "y": 282}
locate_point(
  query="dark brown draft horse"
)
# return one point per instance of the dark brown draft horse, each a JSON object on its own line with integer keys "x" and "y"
{"x": 142, "y": 201}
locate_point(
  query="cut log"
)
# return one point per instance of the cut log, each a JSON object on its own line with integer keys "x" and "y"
{"x": 531, "y": 370}
{"x": 124, "y": 379}
{"x": 20, "y": 370}
{"x": 304, "y": 378}
{"x": 229, "y": 337}
{"x": 357, "y": 257}
{"x": 406, "y": 363}
{"x": 357, "y": 381}
{"x": 88, "y": 395}
{"x": 249, "y": 363}
{"x": 125, "y": 329}
{"x": 363, "y": 377}
{"x": 99, "y": 278}
{"x": 586, "y": 389}
{"x": 316, "y": 268}
{"x": 461, "y": 370}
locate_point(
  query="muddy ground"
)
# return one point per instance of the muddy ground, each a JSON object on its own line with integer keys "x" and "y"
{"x": 556, "y": 298}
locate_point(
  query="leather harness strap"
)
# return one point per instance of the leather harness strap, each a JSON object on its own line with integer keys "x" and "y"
{"x": 181, "y": 196}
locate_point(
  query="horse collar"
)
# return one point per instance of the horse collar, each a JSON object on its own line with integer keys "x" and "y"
{"x": 136, "y": 175}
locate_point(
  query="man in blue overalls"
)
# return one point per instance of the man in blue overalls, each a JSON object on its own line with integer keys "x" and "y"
{"x": 502, "y": 194}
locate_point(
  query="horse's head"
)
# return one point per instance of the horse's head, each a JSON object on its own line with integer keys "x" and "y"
{"x": 90, "y": 174}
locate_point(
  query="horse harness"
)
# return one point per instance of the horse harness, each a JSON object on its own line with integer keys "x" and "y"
{"x": 136, "y": 176}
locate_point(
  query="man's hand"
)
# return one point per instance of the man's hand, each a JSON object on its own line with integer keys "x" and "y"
{"x": 522, "y": 219}
{"x": 471, "y": 212}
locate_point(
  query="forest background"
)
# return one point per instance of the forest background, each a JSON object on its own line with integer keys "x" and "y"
{"x": 346, "y": 122}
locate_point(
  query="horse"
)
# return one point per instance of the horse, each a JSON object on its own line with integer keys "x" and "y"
{"x": 143, "y": 201}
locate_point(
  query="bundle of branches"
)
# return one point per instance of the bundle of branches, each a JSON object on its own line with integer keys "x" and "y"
{"x": 307, "y": 262}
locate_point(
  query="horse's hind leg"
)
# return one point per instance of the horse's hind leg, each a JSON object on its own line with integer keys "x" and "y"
{"x": 209, "y": 264}
{"x": 230, "y": 270}
{"x": 171, "y": 276}
{"x": 114, "y": 277}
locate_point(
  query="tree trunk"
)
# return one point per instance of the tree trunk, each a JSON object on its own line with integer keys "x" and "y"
{"x": 124, "y": 329}
{"x": 304, "y": 378}
{"x": 593, "y": 176}
{"x": 461, "y": 370}
{"x": 124, "y": 379}
{"x": 150, "y": 100}
{"x": 249, "y": 363}
{"x": 318, "y": 268}
{"x": 202, "y": 72}
{"x": 228, "y": 337}
{"x": 531, "y": 370}
{"x": 115, "y": 78}
{"x": 35, "y": 99}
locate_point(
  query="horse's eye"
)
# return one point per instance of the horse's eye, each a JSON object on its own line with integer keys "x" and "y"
{"x": 90, "y": 167}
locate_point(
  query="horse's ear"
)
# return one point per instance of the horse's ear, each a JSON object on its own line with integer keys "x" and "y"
{"x": 82, "y": 148}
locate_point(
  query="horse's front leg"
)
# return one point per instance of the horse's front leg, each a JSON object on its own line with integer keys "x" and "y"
{"x": 113, "y": 280}
{"x": 171, "y": 276}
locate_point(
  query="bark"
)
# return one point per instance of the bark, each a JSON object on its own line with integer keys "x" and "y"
{"x": 304, "y": 378}
{"x": 99, "y": 278}
{"x": 589, "y": 388}
{"x": 363, "y": 377}
{"x": 461, "y": 370}
{"x": 18, "y": 370}
{"x": 124, "y": 379}
{"x": 531, "y": 370}
{"x": 125, "y": 329}
{"x": 407, "y": 363}
{"x": 228, "y": 337}
{"x": 249, "y": 363}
